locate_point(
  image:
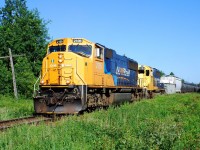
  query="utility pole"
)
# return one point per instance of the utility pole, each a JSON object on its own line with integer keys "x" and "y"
{"x": 13, "y": 73}
{"x": 13, "y": 70}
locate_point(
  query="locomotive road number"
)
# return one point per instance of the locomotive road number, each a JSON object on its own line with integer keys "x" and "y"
{"x": 53, "y": 65}
{"x": 66, "y": 65}
{"x": 77, "y": 40}
{"x": 59, "y": 41}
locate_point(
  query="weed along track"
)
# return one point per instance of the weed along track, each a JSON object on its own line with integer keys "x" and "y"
{"x": 19, "y": 121}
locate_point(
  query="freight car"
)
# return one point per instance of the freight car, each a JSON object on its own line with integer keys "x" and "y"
{"x": 78, "y": 74}
{"x": 189, "y": 87}
{"x": 174, "y": 84}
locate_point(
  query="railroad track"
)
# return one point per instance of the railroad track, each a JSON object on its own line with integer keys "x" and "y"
{"x": 5, "y": 124}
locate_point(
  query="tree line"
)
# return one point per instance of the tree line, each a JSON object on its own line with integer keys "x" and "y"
{"x": 23, "y": 31}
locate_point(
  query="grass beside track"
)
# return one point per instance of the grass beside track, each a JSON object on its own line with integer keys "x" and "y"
{"x": 166, "y": 122}
{"x": 11, "y": 108}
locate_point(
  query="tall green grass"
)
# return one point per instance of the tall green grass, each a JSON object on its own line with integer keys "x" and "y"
{"x": 166, "y": 122}
{"x": 11, "y": 108}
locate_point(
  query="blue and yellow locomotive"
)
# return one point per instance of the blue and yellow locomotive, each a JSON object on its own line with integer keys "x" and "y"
{"x": 78, "y": 74}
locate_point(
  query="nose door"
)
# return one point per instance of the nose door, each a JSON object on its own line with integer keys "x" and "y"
{"x": 53, "y": 69}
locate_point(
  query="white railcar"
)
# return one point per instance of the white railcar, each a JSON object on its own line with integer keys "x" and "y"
{"x": 172, "y": 84}
{"x": 178, "y": 84}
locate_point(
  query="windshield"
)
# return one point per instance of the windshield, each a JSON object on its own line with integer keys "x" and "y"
{"x": 141, "y": 71}
{"x": 83, "y": 50}
{"x": 58, "y": 48}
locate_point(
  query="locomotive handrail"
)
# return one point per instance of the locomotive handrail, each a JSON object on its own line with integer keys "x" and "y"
{"x": 84, "y": 83}
{"x": 34, "y": 90}
{"x": 78, "y": 73}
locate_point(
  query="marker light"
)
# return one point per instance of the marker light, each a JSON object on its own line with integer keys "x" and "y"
{"x": 60, "y": 56}
{"x": 42, "y": 82}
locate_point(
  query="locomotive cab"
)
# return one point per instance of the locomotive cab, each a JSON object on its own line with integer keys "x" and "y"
{"x": 73, "y": 62}
{"x": 145, "y": 77}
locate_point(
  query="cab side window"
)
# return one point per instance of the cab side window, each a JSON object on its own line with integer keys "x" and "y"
{"x": 147, "y": 72}
{"x": 99, "y": 53}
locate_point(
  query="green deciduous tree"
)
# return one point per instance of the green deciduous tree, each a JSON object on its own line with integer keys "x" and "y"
{"x": 25, "y": 77}
{"x": 24, "y": 32}
{"x": 5, "y": 79}
{"x": 162, "y": 73}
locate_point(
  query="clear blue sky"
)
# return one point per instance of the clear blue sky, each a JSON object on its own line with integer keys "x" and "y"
{"x": 164, "y": 34}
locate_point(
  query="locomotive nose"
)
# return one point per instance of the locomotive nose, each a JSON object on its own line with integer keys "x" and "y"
{"x": 60, "y": 69}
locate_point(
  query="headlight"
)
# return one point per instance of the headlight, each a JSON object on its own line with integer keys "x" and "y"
{"x": 60, "y": 60}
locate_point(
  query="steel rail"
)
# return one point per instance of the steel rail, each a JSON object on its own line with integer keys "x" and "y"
{"x": 5, "y": 124}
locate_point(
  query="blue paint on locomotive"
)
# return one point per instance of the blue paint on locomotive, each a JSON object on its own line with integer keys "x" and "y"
{"x": 157, "y": 75}
{"x": 118, "y": 67}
